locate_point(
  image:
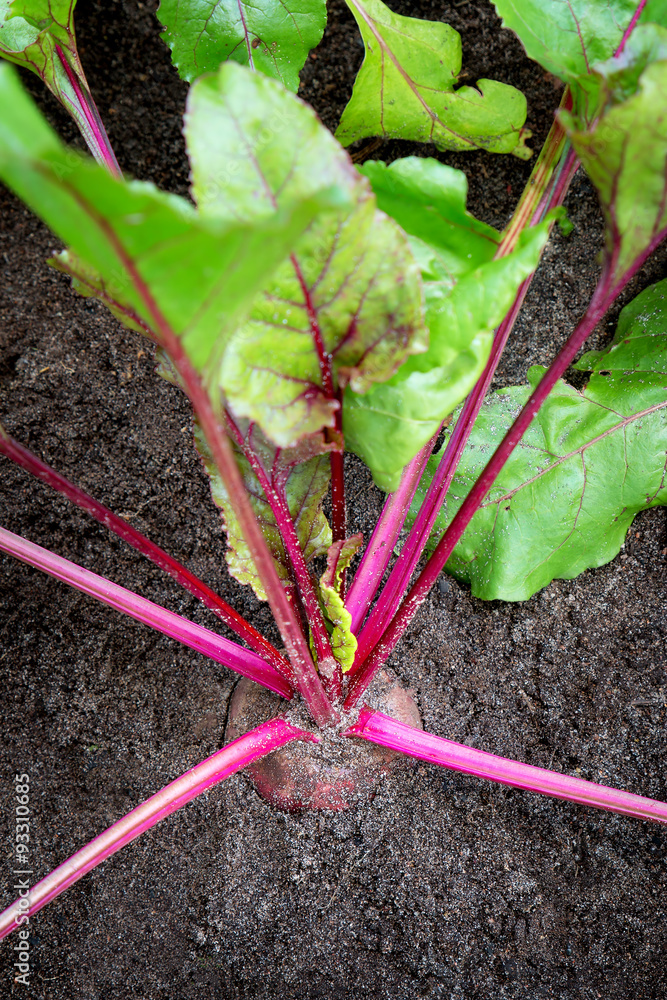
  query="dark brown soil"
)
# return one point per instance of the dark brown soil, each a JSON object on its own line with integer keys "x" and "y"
{"x": 443, "y": 886}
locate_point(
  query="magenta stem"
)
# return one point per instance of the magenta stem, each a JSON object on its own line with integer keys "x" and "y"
{"x": 275, "y": 497}
{"x": 222, "y": 650}
{"x": 324, "y": 360}
{"x": 399, "y": 578}
{"x": 385, "y": 535}
{"x": 420, "y": 532}
{"x": 306, "y": 675}
{"x": 88, "y": 117}
{"x": 257, "y": 743}
{"x": 568, "y": 168}
{"x": 31, "y": 463}
{"x": 326, "y": 662}
{"x": 387, "y": 732}
{"x": 631, "y": 27}
{"x": 437, "y": 562}
{"x": 307, "y": 678}
{"x": 604, "y": 295}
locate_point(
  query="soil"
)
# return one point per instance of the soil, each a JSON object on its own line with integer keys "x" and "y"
{"x": 441, "y": 886}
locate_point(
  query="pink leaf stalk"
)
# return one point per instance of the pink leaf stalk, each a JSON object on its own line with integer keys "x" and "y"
{"x": 85, "y": 113}
{"x": 253, "y": 745}
{"x": 31, "y": 463}
{"x": 420, "y": 532}
{"x": 274, "y": 493}
{"x": 305, "y": 674}
{"x": 307, "y": 678}
{"x": 327, "y": 665}
{"x": 387, "y": 732}
{"x": 374, "y": 643}
{"x": 631, "y": 27}
{"x": 385, "y": 535}
{"x": 324, "y": 359}
{"x": 222, "y": 650}
{"x": 608, "y": 289}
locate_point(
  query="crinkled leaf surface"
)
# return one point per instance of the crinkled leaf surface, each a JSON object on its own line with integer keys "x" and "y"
{"x": 589, "y": 462}
{"x": 467, "y": 294}
{"x": 625, "y": 151}
{"x": 405, "y": 89}
{"x": 346, "y": 307}
{"x": 273, "y": 37}
{"x": 343, "y": 640}
{"x": 142, "y": 245}
{"x": 305, "y": 484}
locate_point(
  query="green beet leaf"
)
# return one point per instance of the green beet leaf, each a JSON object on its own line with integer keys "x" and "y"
{"x": 39, "y": 35}
{"x": 343, "y": 640}
{"x": 30, "y": 31}
{"x": 149, "y": 253}
{"x": 86, "y": 281}
{"x": 346, "y": 307}
{"x": 428, "y": 200}
{"x": 467, "y": 294}
{"x": 405, "y": 89}
{"x": 618, "y": 78}
{"x": 254, "y": 148}
{"x": 571, "y": 39}
{"x": 589, "y": 462}
{"x": 625, "y": 151}
{"x": 568, "y": 38}
{"x": 655, "y": 11}
{"x": 302, "y": 473}
{"x": 640, "y": 343}
{"x": 273, "y": 37}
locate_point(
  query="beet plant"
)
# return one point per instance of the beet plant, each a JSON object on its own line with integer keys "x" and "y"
{"x": 306, "y": 307}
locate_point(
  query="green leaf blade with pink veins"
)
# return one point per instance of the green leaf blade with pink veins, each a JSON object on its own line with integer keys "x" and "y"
{"x": 39, "y": 35}
{"x": 625, "y": 151}
{"x": 346, "y": 307}
{"x": 589, "y": 463}
{"x": 144, "y": 252}
{"x": 405, "y": 89}
{"x": 568, "y": 38}
{"x": 30, "y": 30}
{"x": 273, "y": 37}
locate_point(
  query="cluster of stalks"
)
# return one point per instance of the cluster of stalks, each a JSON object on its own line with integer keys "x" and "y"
{"x": 333, "y": 700}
